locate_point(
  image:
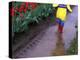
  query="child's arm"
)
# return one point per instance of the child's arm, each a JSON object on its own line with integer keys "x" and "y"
{"x": 55, "y": 5}
{"x": 69, "y": 8}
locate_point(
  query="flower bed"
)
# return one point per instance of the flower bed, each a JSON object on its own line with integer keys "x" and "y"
{"x": 23, "y": 13}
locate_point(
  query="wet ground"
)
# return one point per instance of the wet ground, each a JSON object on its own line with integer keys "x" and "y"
{"x": 48, "y": 42}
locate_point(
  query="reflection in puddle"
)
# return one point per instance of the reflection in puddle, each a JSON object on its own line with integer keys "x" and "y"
{"x": 59, "y": 50}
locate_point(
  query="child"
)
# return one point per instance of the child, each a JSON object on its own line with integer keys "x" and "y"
{"x": 61, "y": 15}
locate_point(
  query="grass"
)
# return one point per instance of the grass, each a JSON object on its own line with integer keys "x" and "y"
{"x": 73, "y": 49}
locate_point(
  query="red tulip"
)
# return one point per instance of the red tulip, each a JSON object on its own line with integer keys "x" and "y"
{"x": 16, "y": 9}
{"x": 21, "y": 15}
{"x": 12, "y": 11}
{"x": 21, "y": 7}
{"x": 25, "y": 10}
{"x": 33, "y": 5}
{"x": 27, "y": 4}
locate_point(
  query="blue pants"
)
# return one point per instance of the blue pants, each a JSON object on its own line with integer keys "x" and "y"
{"x": 60, "y": 22}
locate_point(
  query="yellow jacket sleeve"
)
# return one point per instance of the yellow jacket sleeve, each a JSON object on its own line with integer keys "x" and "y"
{"x": 55, "y": 5}
{"x": 69, "y": 8}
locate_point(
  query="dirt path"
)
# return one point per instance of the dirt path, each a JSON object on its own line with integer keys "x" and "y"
{"x": 48, "y": 43}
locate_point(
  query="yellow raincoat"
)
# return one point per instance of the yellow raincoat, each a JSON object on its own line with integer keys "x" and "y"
{"x": 62, "y": 12}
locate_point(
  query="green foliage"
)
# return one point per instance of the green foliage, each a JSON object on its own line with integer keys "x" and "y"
{"x": 73, "y": 49}
{"x": 21, "y": 23}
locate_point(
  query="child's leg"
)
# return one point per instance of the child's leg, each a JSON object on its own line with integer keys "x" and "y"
{"x": 60, "y": 26}
{"x": 57, "y": 21}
